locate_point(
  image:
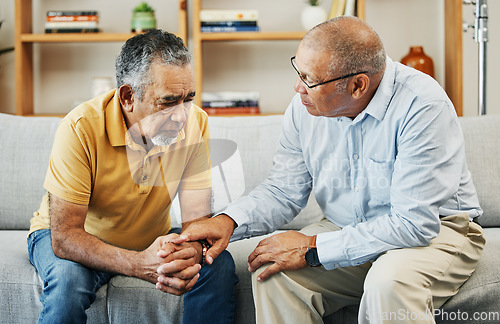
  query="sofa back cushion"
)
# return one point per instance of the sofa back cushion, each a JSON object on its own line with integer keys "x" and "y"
{"x": 482, "y": 139}
{"x": 256, "y": 140}
{"x": 25, "y": 149}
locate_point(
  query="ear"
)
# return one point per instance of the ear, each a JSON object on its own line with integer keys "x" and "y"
{"x": 126, "y": 97}
{"x": 361, "y": 84}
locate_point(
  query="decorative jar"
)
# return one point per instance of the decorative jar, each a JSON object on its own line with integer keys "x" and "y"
{"x": 417, "y": 59}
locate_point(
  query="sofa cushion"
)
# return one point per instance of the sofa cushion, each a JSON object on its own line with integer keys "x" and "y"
{"x": 20, "y": 285}
{"x": 26, "y": 144}
{"x": 256, "y": 139}
{"x": 132, "y": 300}
{"x": 482, "y": 139}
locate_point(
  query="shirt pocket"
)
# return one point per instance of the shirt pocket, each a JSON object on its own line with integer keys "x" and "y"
{"x": 379, "y": 175}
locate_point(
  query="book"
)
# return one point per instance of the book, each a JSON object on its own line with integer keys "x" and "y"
{"x": 72, "y": 18}
{"x": 71, "y": 21}
{"x": 230, "y": 23}
{"x": 337, "y": 9}
{"x": 228, "y": 15}
{"x": 232, "y": 110}
{"x": 229, "y": 29}
{"x": 229, "y": 103}
{"x": 70, "y": 24}
{"x": 220, "y": 96}
{"x": 71, "y": 30}
{"x": 51, "y": 13}
{"x": 350, "y": 8}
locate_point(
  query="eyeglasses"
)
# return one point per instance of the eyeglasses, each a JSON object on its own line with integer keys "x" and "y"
{"x": 292, "y": 60}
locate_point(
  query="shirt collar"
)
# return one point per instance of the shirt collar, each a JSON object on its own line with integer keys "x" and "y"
{"x": 380, "y": 101}
{"x": 116, "y": 127}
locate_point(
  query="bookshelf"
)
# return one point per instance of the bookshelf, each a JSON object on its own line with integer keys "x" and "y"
{"x": 24, "y": 39}
{"x": 454, "y": 53}
{"x": 199, "y": 38}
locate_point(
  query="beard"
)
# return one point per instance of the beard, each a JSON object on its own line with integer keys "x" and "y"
{"x": 163, "y": 139}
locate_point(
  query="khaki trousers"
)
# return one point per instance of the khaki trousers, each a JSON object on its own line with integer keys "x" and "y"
{"x": 400, "y": 286}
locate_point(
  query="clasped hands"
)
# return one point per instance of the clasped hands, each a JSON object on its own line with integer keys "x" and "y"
{"x": 180, "y": 265}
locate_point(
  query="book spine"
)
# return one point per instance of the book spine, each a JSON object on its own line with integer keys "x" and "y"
{"x": 350, "y": 8}
{"x": 230, "y": 103}
{"x": 230, "y": 96}
{"x": 71, "y": 30}
{"x": 218, "y": 29}
{"x": 72, "y": 18}
{"x": 228, "y": 15}
{"x": 337, "y": 9}
{"x": 71, "y": 25}
{"x": 232, "y": 110}
{"x": 228, "y": 23}
{"x": 71, "y": 13}
{"x": 341, "y": 8}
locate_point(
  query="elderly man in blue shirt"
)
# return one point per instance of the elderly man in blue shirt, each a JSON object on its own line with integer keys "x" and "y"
{"x": 380, "y": 145}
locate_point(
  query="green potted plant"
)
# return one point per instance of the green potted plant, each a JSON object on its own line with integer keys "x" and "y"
{"x": 312, "y": 14}
{"x": 143, "y": 18}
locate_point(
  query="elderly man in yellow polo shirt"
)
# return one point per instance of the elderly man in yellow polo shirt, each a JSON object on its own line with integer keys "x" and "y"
{"x": 116, "y": 164}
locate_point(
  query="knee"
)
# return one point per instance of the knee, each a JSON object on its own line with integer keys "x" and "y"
{"x": 225, "y": 261}
{"x": 222, "y": 268}
{"x": 387, "y": 283}
{"x": 271, "y": 283}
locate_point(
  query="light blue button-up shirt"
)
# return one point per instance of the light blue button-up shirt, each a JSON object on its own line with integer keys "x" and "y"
{"x": 385, "y": 177}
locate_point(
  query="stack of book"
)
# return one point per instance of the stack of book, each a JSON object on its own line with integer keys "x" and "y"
{"x": 72, "y": 22}
{"x": 230, "y": 102}
{"x": 221, "y": 20}
{"x": 343, "y": 8}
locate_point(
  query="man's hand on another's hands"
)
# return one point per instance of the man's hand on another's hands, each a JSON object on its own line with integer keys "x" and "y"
{"x": 179, "y": 271}
{"x": 216, "y": 230}
{"x": 285, "y": 250}
{"x": 172, "y": 267}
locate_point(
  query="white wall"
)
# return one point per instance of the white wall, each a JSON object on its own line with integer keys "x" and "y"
{"x": 64, "y": 71}
{"x": 470, "y": 59}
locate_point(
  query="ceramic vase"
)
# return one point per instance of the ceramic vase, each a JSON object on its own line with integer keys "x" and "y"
{"x": 311, "y": 16}
{"x": 417, "y": 59}
{"x": 142, "y": 21}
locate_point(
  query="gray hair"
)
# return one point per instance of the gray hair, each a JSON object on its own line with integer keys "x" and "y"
{"x": 139, "y": 52}
{"x": 353, "y": 44}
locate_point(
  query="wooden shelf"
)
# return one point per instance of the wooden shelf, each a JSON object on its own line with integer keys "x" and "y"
{"x": 24, "y": 38}
{"x": 252, "y": 36}
{"x": 76, "y": 38}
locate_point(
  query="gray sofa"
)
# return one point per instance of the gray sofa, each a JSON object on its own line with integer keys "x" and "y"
{"x": 25, "y": 144}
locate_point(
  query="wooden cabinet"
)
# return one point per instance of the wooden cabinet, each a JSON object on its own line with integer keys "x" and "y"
{"x": 199, "y": 38}
{"x": 24, "y": 39}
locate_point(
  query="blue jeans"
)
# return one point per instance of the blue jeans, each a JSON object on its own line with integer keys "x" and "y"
{"x": 69, "y": 288}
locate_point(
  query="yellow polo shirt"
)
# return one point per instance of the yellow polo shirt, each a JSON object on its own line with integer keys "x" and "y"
{"x": 128, "y": 190}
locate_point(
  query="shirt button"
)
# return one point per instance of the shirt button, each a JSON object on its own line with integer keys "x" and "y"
{"x": 356, "y": 188}
{"x": 355, "y": 156}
